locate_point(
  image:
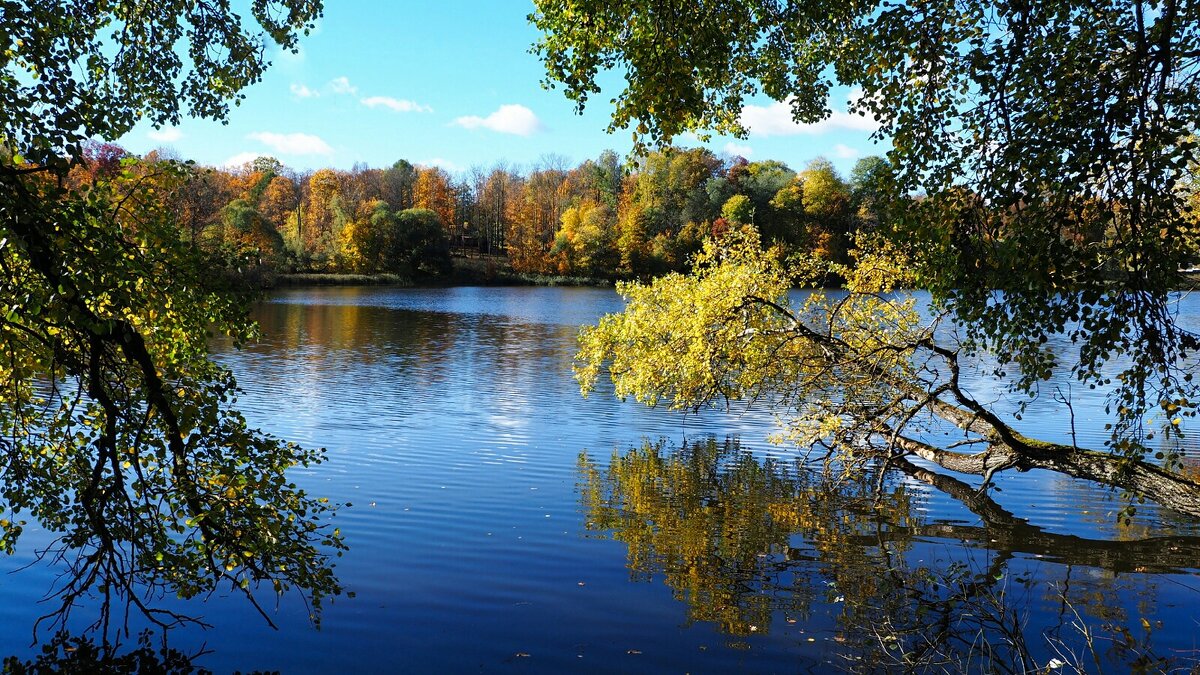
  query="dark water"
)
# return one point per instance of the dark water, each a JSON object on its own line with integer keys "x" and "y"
{"x": 501, "y": 523}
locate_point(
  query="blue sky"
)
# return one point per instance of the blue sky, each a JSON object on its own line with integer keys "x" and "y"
{"x": 451, "y": 84}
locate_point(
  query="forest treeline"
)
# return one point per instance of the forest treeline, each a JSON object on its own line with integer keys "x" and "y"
{"x": 600, "y": 219}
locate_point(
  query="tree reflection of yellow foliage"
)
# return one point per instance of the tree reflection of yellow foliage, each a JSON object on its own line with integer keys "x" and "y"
{"x": 745, "y": 542}
{"x": 719, "y": 525}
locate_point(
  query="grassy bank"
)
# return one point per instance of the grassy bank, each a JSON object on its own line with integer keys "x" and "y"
{"x": 495, "y": 271}
{"x": 474, "y": 271}
{"x": 322, "y": 279}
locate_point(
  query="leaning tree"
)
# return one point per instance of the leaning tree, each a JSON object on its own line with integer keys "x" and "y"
{"x": 1042, "y": 155}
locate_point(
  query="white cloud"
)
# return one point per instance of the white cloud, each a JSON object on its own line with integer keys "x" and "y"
{"x": 241, "y": 159}
{"x": 508, "y": 119}
{"x": 776, "y": 120}
{"x": 167, "y": 135}
{"x": 446, "y": 164}
{"x": 302, "y": 91}
{"x": 738, "y": 150}
{"x": 843, "y": 151}
{"x": 341, "y": 85}
{"x": 292, "y": 144}
{"x": 397, "y": 104}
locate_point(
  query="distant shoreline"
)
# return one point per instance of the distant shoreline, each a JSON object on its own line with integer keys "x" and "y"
{"x": 470, "y": 272}
{"x": 465, "y": 272}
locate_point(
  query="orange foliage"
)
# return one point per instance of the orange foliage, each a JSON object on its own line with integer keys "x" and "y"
{"x": 278, "y": 200}
{"x": 323, "y": 187}
{"x": 433, "y": 192}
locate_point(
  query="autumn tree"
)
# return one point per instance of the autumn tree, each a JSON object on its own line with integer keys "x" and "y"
{"x": 495, "y": 200}
{"x": 826, "y": 199}
{"x": 322, "y": 213}
{"x": 597, "y": 180}
{"x": 465, "y": 211}
{"x": 633, "y": 240}
{"x": 585, "y": 245}
{"x": 672, "y": 184}
{"x": 367, "y": 241}
{"x": 536, "y": 213}
{"x": 608, "y": 177}
{"x": 434, "y": 191}
{"x": 665, "y": 208}
{"x": 360, "y": 187}
{"x": 199, "y": 200}
{"x": 246, "y": 233}
{"x": 99, "y": 161}
{"x": 278, "y": 205}
{"x": 788, "y": 204}
{"x": 738, "y": 210}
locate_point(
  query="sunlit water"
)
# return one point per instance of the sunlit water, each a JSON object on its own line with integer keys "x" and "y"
{"x": 491, "y": 528}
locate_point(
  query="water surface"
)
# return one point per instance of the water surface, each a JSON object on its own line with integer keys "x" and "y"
{"x": 500, "y": 522}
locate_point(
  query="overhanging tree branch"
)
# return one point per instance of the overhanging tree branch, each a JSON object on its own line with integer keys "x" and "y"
{"x": 859, "y": 372}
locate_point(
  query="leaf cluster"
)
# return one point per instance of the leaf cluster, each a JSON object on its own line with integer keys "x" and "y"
{"x": 72, "y": 70}
{"x": 730, "y": 333}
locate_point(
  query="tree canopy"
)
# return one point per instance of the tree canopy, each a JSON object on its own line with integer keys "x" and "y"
{"x": 70, "y": 71}
{"x": 118, "y": 432}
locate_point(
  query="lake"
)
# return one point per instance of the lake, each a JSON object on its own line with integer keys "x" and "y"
{"x": 500, "y": 522}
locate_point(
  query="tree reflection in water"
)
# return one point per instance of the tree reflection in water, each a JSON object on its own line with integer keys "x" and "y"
{"x": 747, "y": 543}
{"x": 66, "y": 653}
